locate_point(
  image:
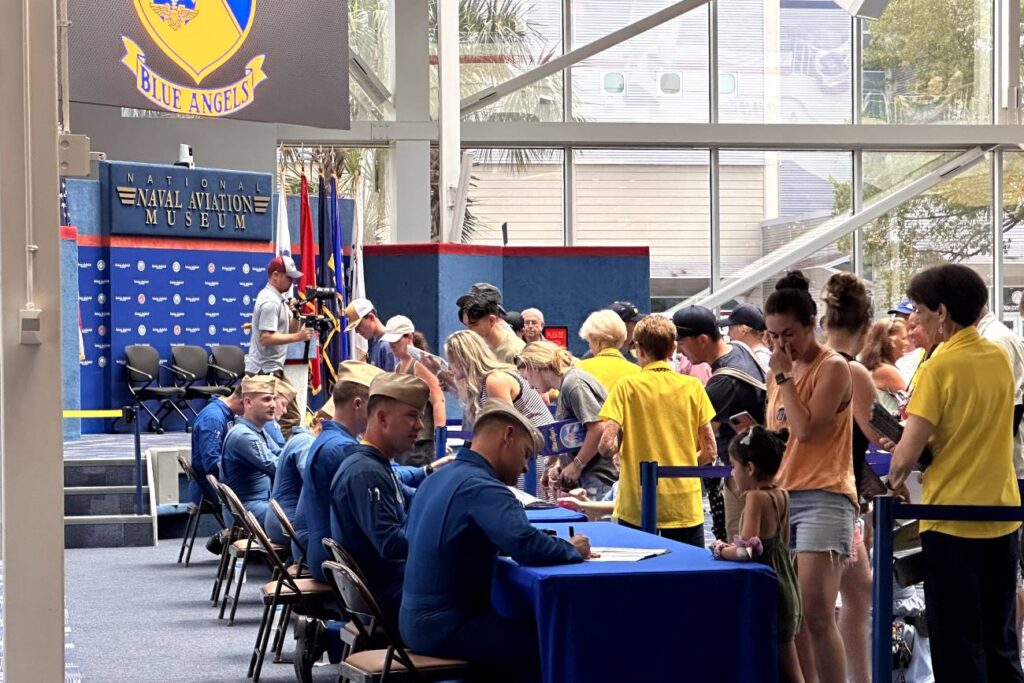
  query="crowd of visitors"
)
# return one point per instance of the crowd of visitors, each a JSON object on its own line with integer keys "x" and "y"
{"x": 785, "y": 397}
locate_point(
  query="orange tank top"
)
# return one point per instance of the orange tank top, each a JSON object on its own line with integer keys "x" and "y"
{"x": 824, "y": 463}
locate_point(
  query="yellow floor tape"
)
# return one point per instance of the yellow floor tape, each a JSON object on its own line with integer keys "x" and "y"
{"x": 92, "y": 413}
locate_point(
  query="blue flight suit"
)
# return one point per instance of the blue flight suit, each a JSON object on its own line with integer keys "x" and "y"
{"x": 248, "y": 466}
{"x": 368, "y": 503}
{"x": 461, "y": 518}
{"x": 208, "y": 432}
{"x": 313, "y": 515}
{"x": 288, "y": 482}
{"x": 275, "y": 433}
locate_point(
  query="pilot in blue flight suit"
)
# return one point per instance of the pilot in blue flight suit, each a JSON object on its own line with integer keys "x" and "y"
{"x": 208, "y": 432}
{"x": 288, "y": 481}
{"x": 460, "y": 520}
{"x": 250, "y": 455}
{"x": 286, "y": 393}
{"x": 368, "y": 501}
{"x": 313, "y": 516}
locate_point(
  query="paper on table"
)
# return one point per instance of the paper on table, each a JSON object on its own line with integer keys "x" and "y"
{"x": 625, "y": 554}
{"x": 530, "y": 502}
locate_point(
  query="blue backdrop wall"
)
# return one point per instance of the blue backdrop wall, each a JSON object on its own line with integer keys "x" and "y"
{"x": 157, "y": 290}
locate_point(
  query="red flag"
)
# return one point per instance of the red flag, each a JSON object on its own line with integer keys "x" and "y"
{"x": 308, "y": 267}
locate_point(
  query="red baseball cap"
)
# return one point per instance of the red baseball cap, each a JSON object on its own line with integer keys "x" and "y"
{"x": 284, "y": 264}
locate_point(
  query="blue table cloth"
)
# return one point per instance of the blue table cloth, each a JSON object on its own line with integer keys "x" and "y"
{"x": 555, "y": 515}
{"x": 677, "y": 617}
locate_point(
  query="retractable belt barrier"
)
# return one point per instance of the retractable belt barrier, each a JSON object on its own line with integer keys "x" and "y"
{"x": 129, "y": 414}
{"x": 887, "y": 511}
{"x": 651, "y": 472}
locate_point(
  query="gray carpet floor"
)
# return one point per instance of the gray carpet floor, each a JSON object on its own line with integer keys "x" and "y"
{"x": 137, "y": 616}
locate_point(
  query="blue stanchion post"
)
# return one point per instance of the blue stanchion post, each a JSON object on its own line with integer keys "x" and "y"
{"x": 649, "y": 496}
{"x": 881, "y": 592}
{"x": 531, "y": 477}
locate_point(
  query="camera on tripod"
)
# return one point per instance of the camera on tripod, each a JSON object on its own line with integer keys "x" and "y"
{"x": 320, "y": 293}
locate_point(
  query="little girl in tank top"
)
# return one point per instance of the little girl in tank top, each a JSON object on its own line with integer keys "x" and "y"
{"x": 764, "y": 531}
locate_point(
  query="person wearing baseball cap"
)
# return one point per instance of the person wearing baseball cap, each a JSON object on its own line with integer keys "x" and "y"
{"x": 273, "y": 328}
{"x": 250, "y": 455}
{"x": 463, "y": 517}
{"x": 903, "y": 309}
{"x": 398, "y": 334}
{"x": 630, "y": 315}
{"x": 368, "y": 500}
{"x": 480, "y": 310}
{"x": 746, "y": 326}
{"x": 362, "y": 317}
{"x": 736, "y": 385}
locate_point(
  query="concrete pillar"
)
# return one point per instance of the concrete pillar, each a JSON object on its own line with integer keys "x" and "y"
{"x": 410, "y": 159}
{"x": 31, "y": 458}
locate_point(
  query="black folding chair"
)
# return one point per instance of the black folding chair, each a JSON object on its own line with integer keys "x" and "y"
{"x": 305, "y": 596}
{"x": 237, "y": 532}
{"x": 297, "y": 569}
{"x": 196, "y": 512}
{"x": 228, "y": 365}
{"x": 393, "y": 662}
{"x": 191, "y": 365}
{"x": 239, "y": 553}
{"x": 143, "y": 367}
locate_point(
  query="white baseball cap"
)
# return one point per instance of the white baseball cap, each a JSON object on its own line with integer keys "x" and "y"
{"x": 356, "y": 310}
{"x": 397, "y": 327}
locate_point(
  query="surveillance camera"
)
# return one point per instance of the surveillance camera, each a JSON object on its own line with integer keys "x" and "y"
{"x": 185, "y": 157}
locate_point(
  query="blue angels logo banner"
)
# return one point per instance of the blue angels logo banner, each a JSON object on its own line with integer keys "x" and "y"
{"x": 249, "y": 59}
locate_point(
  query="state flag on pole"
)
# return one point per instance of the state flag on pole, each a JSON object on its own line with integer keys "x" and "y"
{"x": 338, "y": 268}
{"x": 358, "y": 344}
{"x": 331, "y": 341}
{"x": 308, "y": 267}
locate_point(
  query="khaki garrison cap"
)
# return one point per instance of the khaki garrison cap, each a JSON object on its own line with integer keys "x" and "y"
{"x": 285, "y": 389}
{"x": 259, "y": 384}
{"x": 495, "y": 406}
{"x": 408, "y": 389}
{"x": 358, "y": 372}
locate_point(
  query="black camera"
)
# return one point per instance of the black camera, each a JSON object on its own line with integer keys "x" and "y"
{"x": 320, "y": 293}
{"x": 321, "y": 323}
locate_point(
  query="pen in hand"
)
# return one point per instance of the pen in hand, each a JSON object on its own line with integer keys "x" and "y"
{"x": 572, "y": 531}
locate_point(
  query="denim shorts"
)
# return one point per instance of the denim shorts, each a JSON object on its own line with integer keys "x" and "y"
{"x": 821, "y": 522}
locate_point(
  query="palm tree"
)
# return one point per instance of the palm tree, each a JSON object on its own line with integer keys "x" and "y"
{"x": 498, "y": 41}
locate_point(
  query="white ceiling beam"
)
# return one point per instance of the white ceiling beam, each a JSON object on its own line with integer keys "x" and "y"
{"x": 488, "y": 96}
{"x": 813, "y": 241}
{"x": 664, "y": 135}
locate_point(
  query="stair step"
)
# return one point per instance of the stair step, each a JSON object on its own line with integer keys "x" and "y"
{"x": 108, "y": 531}
{"x": 101, "y": 472}
{"x": 82, "y": 501}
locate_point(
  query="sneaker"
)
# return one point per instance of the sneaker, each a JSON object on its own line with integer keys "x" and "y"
{"x": 308, "y": 647}
{"x": 215, "y": 544}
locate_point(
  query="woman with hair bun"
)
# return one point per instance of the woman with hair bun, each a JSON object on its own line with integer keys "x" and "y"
{"x": 810, "y": 394}
{"x": 755, "y": 456}
{"x": 847, "y": 320}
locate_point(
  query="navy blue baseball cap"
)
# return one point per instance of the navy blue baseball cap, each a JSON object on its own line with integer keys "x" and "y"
{"x": 744, "y": 314}
{"x": 695, "y": 320}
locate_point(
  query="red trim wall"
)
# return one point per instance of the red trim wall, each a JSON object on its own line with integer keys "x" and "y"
{"x": 450, "y": 249}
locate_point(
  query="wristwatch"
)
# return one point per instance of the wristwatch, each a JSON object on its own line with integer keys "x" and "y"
{"x": 428, "y": 468}
{"x": 781, "y": 378}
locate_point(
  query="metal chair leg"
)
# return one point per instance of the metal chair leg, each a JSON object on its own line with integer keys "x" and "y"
{"x": 227, "y": 587}
{"x": 188, "y": 531}
{"x": 192, "y": 539}
{"x": 238, "y": 588}
{"x": 280, "y": 632}
{"x": 268, "y": 612}
{"x": 262, "y": 648}
{"x": 222, "y": 568}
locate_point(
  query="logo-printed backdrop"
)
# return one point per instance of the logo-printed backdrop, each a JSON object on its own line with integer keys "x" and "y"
{"x": 162, "y": 291}
{"x": 161, "y": 297}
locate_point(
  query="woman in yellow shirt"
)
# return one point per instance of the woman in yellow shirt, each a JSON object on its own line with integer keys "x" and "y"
{"x": 962, "y": 407}
{"x": 605, "y": 333}
{"x": 664, "y": 416}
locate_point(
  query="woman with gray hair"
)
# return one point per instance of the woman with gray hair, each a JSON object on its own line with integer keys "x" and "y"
{"x": 605, "y": 333}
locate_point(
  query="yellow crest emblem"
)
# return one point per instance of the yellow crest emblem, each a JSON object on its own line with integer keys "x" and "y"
{"x": 198, "y": 35}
